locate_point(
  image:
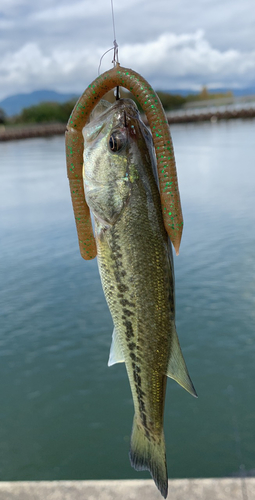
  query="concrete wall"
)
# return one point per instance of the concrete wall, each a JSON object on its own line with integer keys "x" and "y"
{"x": 179, "y": 489}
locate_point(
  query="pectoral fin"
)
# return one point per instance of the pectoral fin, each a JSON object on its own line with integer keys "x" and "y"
{"x": 177, "y": 367}
{"x": 116, "y": 355}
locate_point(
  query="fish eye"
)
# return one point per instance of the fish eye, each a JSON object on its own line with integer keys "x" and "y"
{"x": 117, "y": 141}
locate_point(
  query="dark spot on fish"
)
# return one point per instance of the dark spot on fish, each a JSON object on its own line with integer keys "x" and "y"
{"x": 123, "y": 273}
{"x": 136, "y": 368}
{"x": 144, "y": 419}
{"x": 117, "y": 277}
{"x": 141, "y": 406}
{"x": 122, "y": 288}
{"x": 125, "y": 302}
{"x": 131, "y": 346}
{"x": 127, "y": 312}
{"x": 129, "y": 328}
{"x": 137, "y": 379}
{"x": 134, "y": 357}
{"x": 118, "y": 257}
{"x": 140, "y": 393}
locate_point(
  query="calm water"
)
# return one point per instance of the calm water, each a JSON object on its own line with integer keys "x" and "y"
{"x": 64, "y": 414}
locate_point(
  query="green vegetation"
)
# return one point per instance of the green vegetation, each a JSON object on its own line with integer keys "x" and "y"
{"x": 171, "y": 101}
{"x": 46, "y": 112}
{"x": 52, "y": 112}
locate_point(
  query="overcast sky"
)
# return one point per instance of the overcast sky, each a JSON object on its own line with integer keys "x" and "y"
{"x": 174, "y": 44}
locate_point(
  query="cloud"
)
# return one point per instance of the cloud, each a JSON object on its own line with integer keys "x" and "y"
{"x": 168, "y": 61}
{"x": 74, "y": 10}
{"x": 79, "y": 9}
{"x": 190, "y": 60}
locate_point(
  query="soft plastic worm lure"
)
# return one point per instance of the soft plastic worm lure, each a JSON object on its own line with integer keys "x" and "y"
{"x": 168, "y": 183}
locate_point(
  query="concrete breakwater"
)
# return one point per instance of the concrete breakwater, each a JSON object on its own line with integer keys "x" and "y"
{"x": 212, "y": 115}
{"x": 179, "y": 489}
{"x": 32, "y": 130}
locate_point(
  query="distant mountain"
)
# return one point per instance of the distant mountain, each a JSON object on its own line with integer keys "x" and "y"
{"x": 243, "y": 92}
{"x": 14, "y": 104}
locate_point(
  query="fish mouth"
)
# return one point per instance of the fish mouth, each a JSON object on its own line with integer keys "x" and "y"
{"x": 125, "y": 113}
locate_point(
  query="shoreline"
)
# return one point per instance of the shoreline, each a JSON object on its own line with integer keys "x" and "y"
{"x": 50, "y": 129}
{"x": 31, "y": 130}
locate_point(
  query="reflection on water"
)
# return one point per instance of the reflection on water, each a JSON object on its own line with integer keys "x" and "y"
{"x": 64, "y": 414}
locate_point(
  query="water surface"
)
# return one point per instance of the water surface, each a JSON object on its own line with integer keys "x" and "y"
{"x": 64, "y": 414}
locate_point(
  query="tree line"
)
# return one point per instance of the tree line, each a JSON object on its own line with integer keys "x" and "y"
{"x": 54, "y": 112}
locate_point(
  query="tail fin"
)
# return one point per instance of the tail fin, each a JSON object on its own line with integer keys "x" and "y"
{"x": 148, "y": 453}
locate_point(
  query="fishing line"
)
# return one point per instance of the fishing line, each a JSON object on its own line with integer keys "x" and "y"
{"x": 113, "y": 22}
{"x": 115, "y": 49}
{"x": 106, "y": 52}
{"x": 115, "y": 45}
{"x": 115, "y": 53}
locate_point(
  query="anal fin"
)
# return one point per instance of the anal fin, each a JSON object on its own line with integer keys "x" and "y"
{"x": 177, "y": 368}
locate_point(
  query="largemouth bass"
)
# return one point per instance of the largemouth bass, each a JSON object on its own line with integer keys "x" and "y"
{"x": 136, "y": 269}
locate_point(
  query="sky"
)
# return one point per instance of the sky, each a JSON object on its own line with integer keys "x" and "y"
{"x": 174, "y": 44}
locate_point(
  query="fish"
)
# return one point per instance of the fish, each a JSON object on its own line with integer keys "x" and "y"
{"x": 136, "y": 268}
